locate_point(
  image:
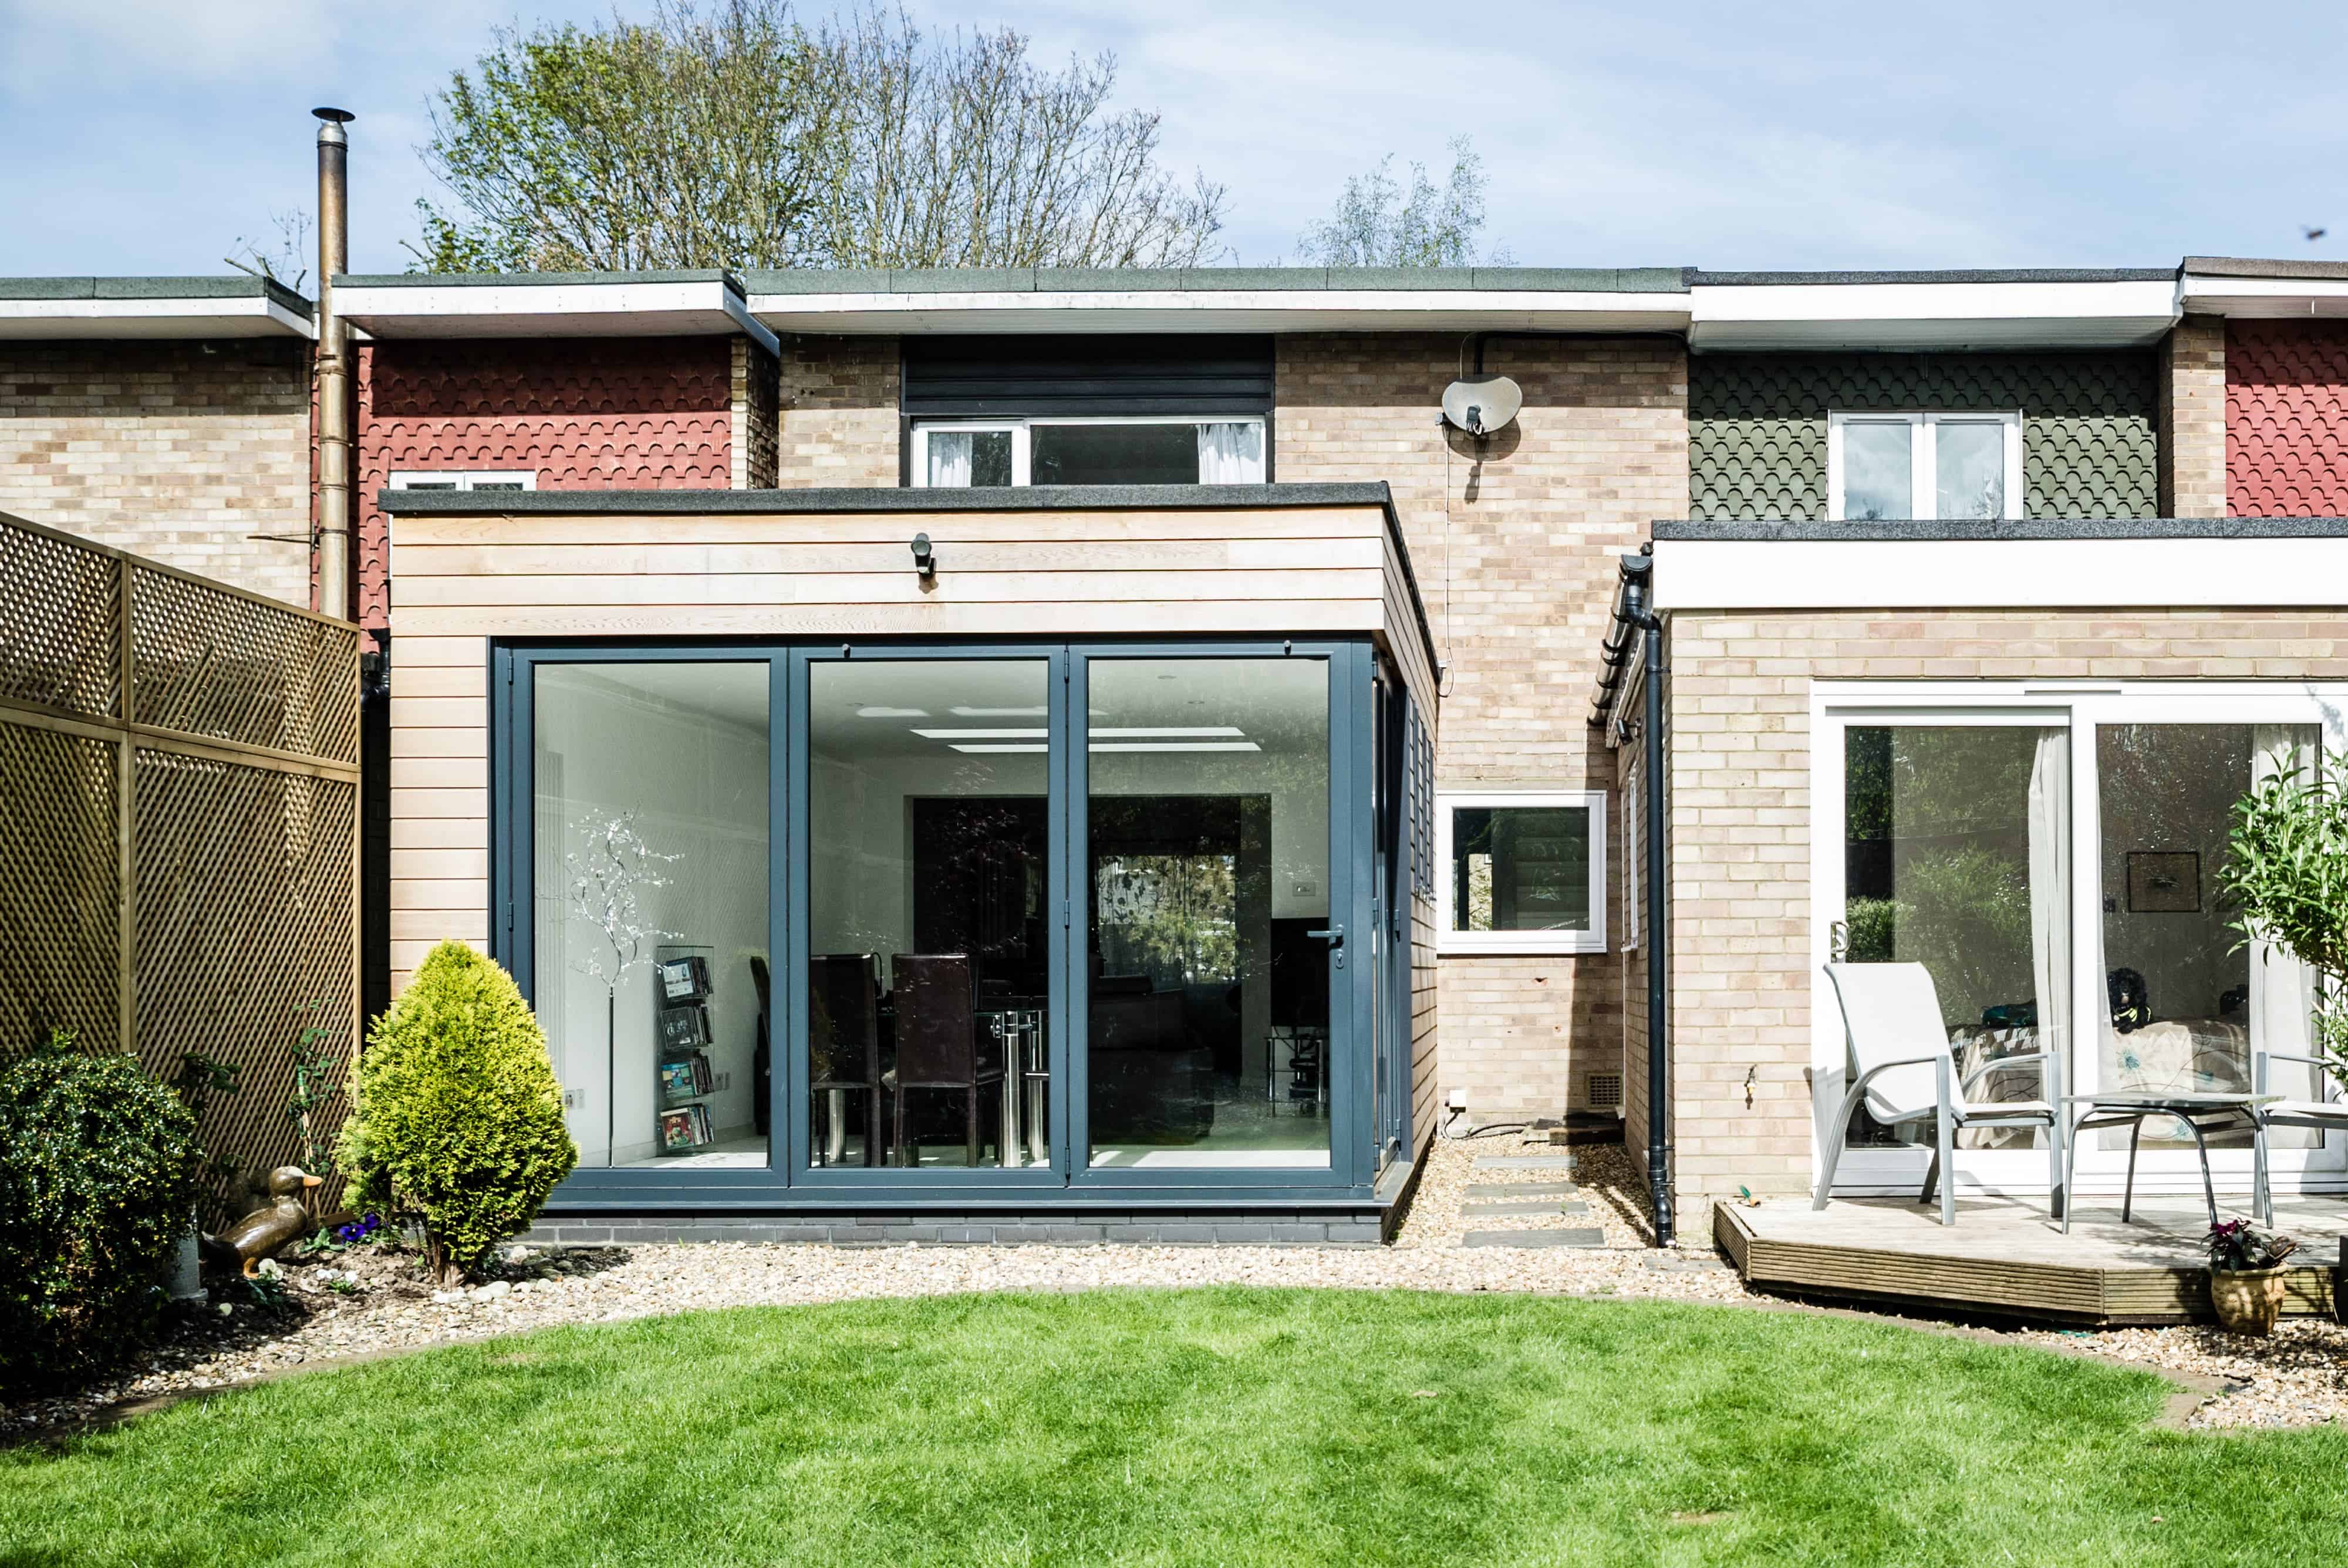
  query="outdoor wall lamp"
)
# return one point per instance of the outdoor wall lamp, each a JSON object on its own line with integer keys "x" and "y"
{"x": 925, "y": 558}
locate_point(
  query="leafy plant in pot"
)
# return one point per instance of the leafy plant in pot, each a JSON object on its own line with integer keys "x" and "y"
{"x": 2246, "y": 1268}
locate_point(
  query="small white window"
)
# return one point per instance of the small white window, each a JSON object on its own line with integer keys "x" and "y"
{"x": 464, "y": 479}
{"x": 1886, "y": 467}
{"x": 1521, "y": 871}
{"x": 1634, "y": 858}
{"x": 1105, "y": 451}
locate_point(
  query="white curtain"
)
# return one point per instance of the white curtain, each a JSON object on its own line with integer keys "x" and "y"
{"x": 950, "y": 454}
{"x": 2050, "y": 903}
{"x": 2283, "y": 989}
{"x": 1229, "y": 454}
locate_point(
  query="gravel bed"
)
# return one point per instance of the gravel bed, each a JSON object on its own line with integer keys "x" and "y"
{"x": 372, "y": 1301}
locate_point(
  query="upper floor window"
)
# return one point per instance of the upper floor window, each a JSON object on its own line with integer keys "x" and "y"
{"x": 1135, "y": 450}
{"x": 1923, "y": 465}
{"x": 463, "y": 480}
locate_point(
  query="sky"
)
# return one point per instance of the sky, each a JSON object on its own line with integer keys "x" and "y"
{"x": 144, "y": 137}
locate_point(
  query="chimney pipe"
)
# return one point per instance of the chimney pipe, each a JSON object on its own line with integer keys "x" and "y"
{"x": 332, "y": 529}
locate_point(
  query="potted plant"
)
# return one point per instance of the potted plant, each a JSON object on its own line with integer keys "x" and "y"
{"x": 2246, "y": 1281}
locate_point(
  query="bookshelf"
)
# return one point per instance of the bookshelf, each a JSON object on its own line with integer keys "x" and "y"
{"x": 683, "y": 1081}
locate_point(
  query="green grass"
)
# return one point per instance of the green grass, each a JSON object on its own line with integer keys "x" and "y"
{"x": 1211, "y": 1427}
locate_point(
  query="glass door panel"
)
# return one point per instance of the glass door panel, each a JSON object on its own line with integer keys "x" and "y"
{"x": 929, "y": 874}
{"x": 1956, "y": 857}
{"x": 2189, "y": 1007}
{"x": 1207, "y": 891}
{"x": 649, "y": 827}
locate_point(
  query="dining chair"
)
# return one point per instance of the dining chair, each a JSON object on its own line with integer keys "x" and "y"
{"x": 2325, "y": 1112}
{"x": 939, "y": 1042}
{"x": 844, "y": 1046}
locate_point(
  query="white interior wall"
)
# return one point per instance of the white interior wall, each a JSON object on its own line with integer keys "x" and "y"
{"x": 698, "y": 783}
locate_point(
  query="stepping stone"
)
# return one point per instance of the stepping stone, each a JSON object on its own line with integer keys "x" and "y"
{"x": 1535, "y": 1238}
{"x": 1520, "y": 1190}
{"x": 1524, "y": 1163}
{"x": 1489, "y": 1211}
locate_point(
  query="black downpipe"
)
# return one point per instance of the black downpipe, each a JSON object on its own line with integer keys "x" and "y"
{"x": 1635, "y": 616}
{"x": 1659, "y": 1169}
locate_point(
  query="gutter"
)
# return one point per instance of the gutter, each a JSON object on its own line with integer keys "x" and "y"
{"x": 1633, "y": 615}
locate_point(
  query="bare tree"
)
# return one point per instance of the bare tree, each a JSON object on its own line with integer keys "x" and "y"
{"x": 1377, "y": 223}
{"x": 962, "y": 152}
{"x": 283, "y": 260}
{"x": 745, "y": 139}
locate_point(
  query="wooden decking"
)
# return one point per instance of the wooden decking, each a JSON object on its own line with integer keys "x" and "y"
{"x": 2008, "y": 1259}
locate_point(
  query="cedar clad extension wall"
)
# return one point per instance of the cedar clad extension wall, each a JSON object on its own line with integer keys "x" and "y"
{"x": 2287, "y": 419}
{"x": 1757, "y": 424}
{"x": 653, "y": 413}
{"x": 195, "y": 454}
{"x": 1517, "y": 572}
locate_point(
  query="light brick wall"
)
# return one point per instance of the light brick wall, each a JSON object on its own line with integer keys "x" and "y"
{"x": 1741, "y": 988}
{"x": 1517, "y": 572}
{"x": 181, "y": 452}
{"x": 2193, "y": 419}
{"x": 839, "y": 418}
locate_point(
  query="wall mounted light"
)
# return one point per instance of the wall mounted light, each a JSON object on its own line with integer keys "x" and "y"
{"x": 925, "y": 558}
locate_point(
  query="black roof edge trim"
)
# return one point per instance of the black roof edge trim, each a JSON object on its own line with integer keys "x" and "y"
{"x": 1687, "y": 531}
{"x": 875, "y": 498}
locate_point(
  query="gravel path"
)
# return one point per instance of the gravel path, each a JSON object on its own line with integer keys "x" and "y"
{"x": 369, "y": 1302}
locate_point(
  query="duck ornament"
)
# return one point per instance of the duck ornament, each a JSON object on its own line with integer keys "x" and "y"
{"x": 263, "y": 1231}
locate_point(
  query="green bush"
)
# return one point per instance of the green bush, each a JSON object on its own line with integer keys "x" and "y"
{"x": 456, "y": 1119}
{"x": 98, "y": 1169}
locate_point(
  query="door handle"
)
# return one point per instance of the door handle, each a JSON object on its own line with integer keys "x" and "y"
{"x": 1335, "y": 936}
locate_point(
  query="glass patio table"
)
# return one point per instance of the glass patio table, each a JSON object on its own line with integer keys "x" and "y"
{"x": 2201, "y": 1114}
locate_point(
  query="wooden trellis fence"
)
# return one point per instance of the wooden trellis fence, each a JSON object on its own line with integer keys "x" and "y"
{"x": 179, "y": 826}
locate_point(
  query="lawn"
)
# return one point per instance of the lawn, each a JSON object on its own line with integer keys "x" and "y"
{"x": 1213, "y": 1427}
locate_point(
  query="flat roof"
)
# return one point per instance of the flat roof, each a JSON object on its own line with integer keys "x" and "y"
{"x": 231, "y": 305}
{"x": 904, "y": 500}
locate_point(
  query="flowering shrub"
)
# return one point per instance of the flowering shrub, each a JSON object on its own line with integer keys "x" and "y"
{"x": 2235, "y": 1247}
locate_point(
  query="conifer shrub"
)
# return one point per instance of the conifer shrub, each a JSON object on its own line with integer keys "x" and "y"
{"x": 456, "y": 1119}
{"x": 99, "y": 1167}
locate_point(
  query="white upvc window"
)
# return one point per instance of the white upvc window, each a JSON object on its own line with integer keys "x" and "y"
{"x": 1522, "y": 871}
{"x": 1108, "y": 450}
{"x": 463, "y": 480}
{"x": 1634, "y": 857}
{"x": 1884, "y": 466}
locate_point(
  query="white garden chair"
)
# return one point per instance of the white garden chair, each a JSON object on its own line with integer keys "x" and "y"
{"x": 1901, "y": 1067}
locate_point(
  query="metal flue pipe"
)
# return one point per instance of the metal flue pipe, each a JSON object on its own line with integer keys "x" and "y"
{"x": 331, "y": 532}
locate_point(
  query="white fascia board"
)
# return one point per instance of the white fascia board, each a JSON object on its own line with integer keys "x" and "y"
{"x": 248, "y": 315}
{"x": 539, "y": 310}
{"x": 2267, "y": 298}
{"x": 1931, "y": 315}
{"x": 2000, "y": 574}
{"x": 1268, "y": 310}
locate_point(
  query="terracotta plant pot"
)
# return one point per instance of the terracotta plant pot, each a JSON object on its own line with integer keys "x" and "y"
{"x": 2249, "y": 1301}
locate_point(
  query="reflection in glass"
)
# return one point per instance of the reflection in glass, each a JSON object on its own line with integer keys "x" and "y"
{"x": 969, "y": 457}
{"x": 1969, "y": 458}
{"x": 1207, "y": 877}
{"x": 1113, "y": 454}
{"x": 927, "y": 877}
{"x": 1521, "y": 868}
{"x": 1878, "y": 470}
{"x": 650, "y": 828}
{"x": 2189, "y": 1005}
{"x": 1956, "y": 857}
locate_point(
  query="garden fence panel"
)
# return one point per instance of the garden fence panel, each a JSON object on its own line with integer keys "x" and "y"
{"x": 178, "y": 852}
